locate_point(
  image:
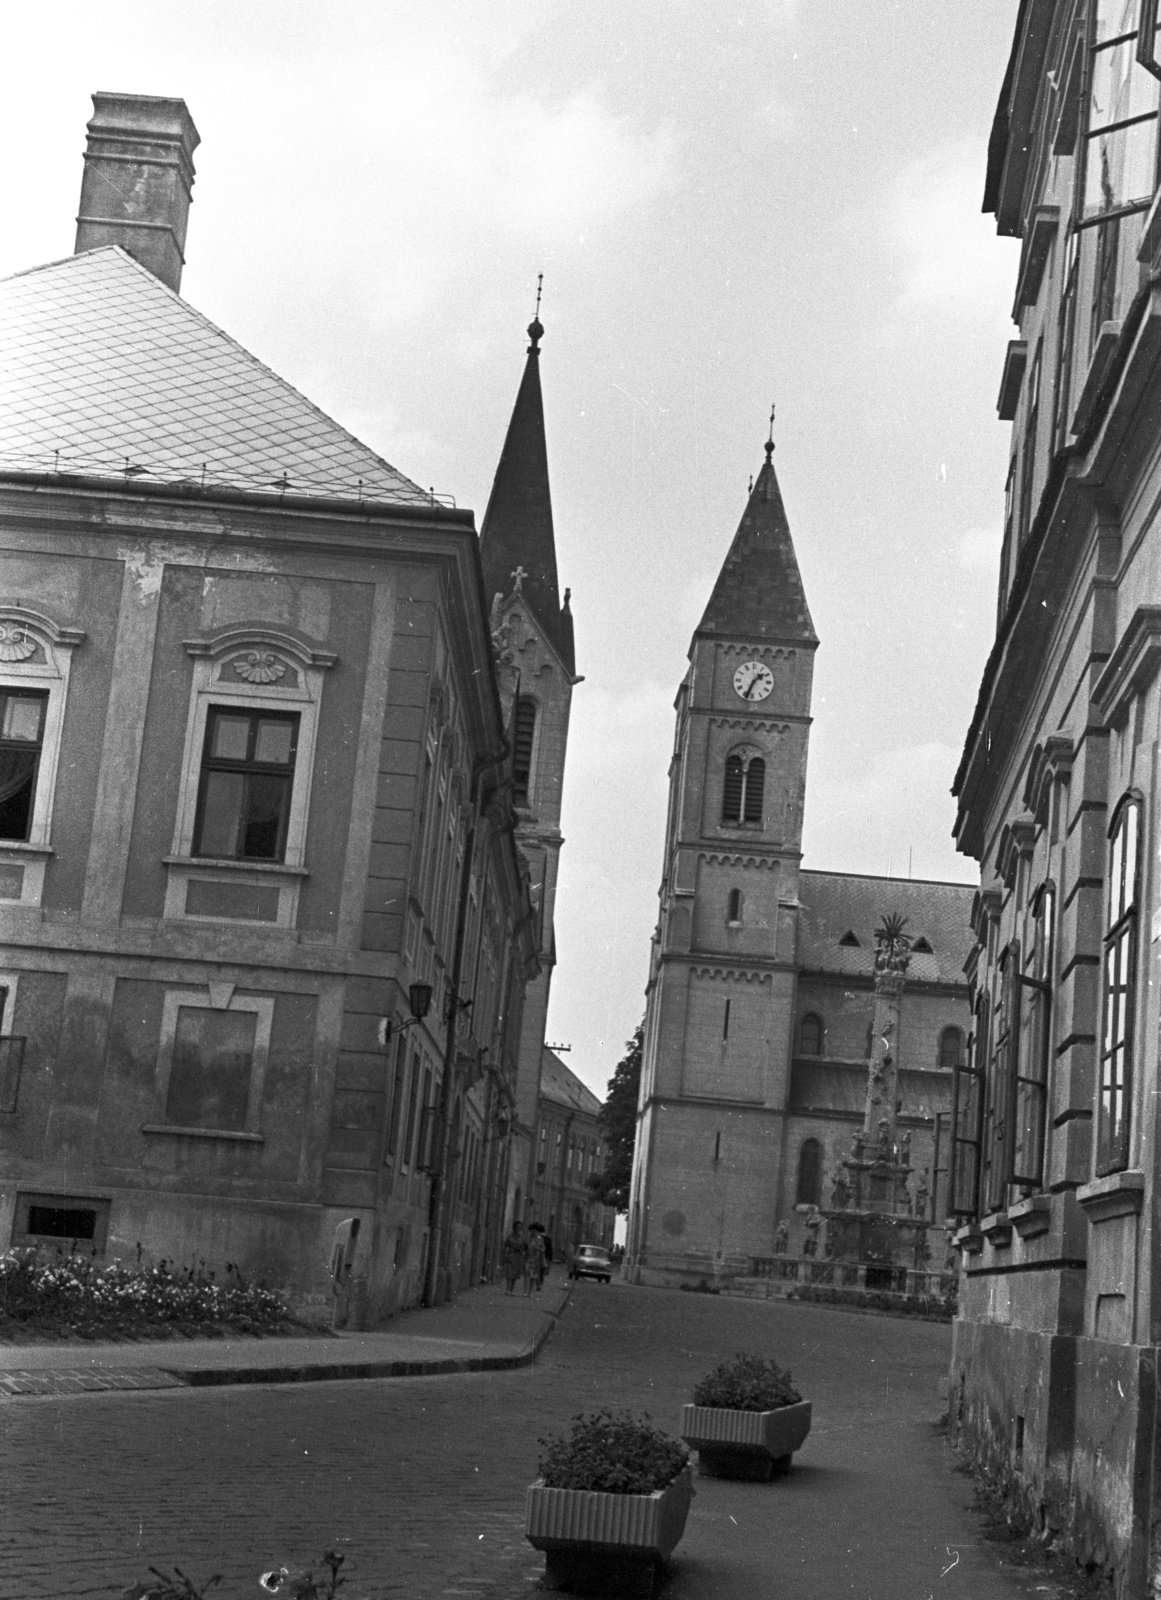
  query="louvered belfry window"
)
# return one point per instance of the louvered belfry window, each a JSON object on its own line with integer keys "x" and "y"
{"x": 743, "y": 790}
{"x": 522, "y": 752}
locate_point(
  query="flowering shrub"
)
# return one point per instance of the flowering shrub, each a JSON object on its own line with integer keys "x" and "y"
{"x": 292, "y": 1584}
{"x": 73, "y": 1295}
{"x": 613, "y": 1451}
{"x": 747, "y": 1383}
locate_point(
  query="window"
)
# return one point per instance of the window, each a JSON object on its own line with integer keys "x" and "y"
{"x": 1120, "y": 139}
{"x": 397, "y": 1088}
{"x": 211, "y": 1063}
{"x": 209, "y": 1083}
{"x": 413, "y": 1096}
{"x": 1119, "y": 966}
{"x": 809, "y": 1173}
{"x": 1065, "y": 335}
{"x": 21, "y": 732}
{"x": 1104, "y": 288}
{"x": 1035, "y": 985}
{"x": 950, "y": 1049}
{"x": 849, "y": 940}
{"x": 522, "y": 741}
{"x": 922, "y": 947}
{"x": 1000, "y": 1105}
{"x": 734, "y": 908}
{"x": 59, "y": 1220}
{"x": 247, "y": 772}
{"x": 810, "y": 1035}
{"x": 742, "y": 791}
{"x": 967, "y": 1099}
{"x": 1031, "y": 428}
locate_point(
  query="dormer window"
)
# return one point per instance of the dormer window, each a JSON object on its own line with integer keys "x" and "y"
{"x": 850, "y": 941}
{"x": 921, "y": 947}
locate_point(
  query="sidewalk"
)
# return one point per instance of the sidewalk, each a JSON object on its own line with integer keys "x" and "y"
{"x": 484, "y": 1330}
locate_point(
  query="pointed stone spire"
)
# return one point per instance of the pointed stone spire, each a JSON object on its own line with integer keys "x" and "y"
{"x": 517, "y": 533}
{"x": 759, "y": 593}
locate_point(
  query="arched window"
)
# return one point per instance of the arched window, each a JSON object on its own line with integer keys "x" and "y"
{"x": 743, "y": 787}
{"x": 809, "y": 1173}
{"x": 810, "y": 1034}
{"x": 950, "y": 1049}
{"x": 1119, "y": 977}
{"x": 734, "y": 907}
{"x": 523, "y": 735}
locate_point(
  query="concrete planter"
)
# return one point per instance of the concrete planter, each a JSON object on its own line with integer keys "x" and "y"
{"x": 745, "y": 1444}
{"x": 597, "y": 1543}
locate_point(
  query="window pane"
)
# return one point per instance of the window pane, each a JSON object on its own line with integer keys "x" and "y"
{"x": 1114, "y": 17}
{"x": 266, "y": 803}
{"x": 1120, "y": 88}
{"x": 274, "y": 741}
{"x": 17, "y": 786}
{"x": 221, "y": 814}
{"x": 1120, "y": 167}
{"x": 22, "y": 718}
{"x": 732, "y": 794}
{"x": 1130, "y": 829}
{"x": 209, "y": 1084}
{"x": 231, "y": 738}
{"x": 755, "y": 784}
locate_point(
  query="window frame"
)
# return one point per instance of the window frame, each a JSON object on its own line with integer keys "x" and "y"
{"x": 817, "y": 1153}
{"x": 1121, "y": 935}
{"x": 523, "y": 787}
{"x": 1033, "y": 1051}
{"x": 972, "y": 1071}
{"x": 740, "y": 786}
{"x": 212, "y": 998}
{"x": 1001, "y": 1101}
{"x": 813, "y": 1017}
{"x": 1089, "y": 136}
{"x": 247, "y": 767}
{"x": 36, "y": 657}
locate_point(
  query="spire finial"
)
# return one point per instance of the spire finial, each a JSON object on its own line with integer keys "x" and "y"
{"x": 770, "y": 440}
{"x": 535, "y": 330}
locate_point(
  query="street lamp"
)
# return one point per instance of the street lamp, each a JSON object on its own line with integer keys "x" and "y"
{"x": 419, "y": 1004}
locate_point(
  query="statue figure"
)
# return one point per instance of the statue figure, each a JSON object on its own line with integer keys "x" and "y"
{"x": 905, "y": 1149}
{"x": 857, "y": 1145}
{"x": 922, "y": 1194}
{"x": 884, "y": 1139}
{"x": 813, "y": 1227}
{"x": 781, "y": 1238}
{"x": 841, "y": 1192}
{"x": 892, "y": 945}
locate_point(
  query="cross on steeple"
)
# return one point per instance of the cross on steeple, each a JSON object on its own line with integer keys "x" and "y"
{"x": 770, "y": 440}
{"x": 519, "y": 575}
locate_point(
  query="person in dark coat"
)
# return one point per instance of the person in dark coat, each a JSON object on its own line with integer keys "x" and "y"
{"x": 514, "y": 1256}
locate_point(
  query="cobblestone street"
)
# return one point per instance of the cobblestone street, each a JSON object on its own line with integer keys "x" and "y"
{"x": 421, "y": 1481}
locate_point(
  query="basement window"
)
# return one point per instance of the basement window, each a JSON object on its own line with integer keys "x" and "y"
{"x": 61, "y": 1221}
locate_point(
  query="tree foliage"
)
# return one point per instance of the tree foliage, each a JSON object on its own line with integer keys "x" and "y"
{"x": 618, "y": 1124}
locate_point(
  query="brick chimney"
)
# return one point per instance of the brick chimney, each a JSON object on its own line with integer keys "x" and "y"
{"x": 138, "y": 177}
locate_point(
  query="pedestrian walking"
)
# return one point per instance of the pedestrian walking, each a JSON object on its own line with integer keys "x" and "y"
{"x": 515, "y": 1255}
{"x": 534, "y": 1260}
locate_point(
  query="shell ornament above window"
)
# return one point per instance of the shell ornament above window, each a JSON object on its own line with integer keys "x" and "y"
{"x": 260, "y": 666}
{"x": 15, "y": 645}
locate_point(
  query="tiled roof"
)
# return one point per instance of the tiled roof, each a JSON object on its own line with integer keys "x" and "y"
{"x": 561, "y": 1085}
{"x": 759, "y": 593}
{"x": 836, "y": 903}
{"x": 104, "y": 372}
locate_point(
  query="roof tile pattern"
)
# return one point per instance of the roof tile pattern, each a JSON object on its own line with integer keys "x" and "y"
{"x": 759, "y": 593}
{"x": 105, "y": 372}
{"x": 834, "y": 902}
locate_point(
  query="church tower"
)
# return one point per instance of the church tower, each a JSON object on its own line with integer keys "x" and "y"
{"x": 532, "y": 631}
{"x": 721, "y": 993}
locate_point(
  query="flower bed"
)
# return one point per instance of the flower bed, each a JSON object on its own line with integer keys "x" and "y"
{"x": 73, "y": 1297}
{"x": 899, "y": 1305}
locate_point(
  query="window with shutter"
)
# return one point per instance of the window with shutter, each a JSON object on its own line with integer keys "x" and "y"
{"x": 522, "y": 751}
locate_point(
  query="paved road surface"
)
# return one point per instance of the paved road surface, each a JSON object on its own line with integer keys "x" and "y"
{"x": 421, "y": 1480}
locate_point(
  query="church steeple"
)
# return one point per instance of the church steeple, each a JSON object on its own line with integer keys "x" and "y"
{"x": 517, "y": 533}
{"x": 759, "y": 593}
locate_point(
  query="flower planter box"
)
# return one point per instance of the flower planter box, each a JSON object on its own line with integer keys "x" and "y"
{"x": 745, "y": 1444}
{"x": 597, "y": 1543}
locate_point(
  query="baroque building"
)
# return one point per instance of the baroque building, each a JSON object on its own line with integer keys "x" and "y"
{"x": 1053, "y": 1376}
{"x": 266, "y": 925}
{"x": 761, "y": 988}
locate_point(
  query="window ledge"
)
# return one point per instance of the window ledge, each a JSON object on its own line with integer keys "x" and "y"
{"x": 228, "y": 864}
{"x": 1031, "y": 1216}
{"x": 996, "y": 1227}
{"x": 1118, "y": 1194}
{"x": 969, "y": 1239}
{"x": 204, "y": 1133}
{"x": 24, "y": 848}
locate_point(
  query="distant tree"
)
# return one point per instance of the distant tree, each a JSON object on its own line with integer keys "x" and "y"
{"x": 618, "y": 1124}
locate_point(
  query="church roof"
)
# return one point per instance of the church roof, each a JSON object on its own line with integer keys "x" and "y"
{"x": 836, "y": 905}
{"x": 561, "y": 1085}
{"x": 759, "y": 593}
{"x": 105, "y": 372}
{"x": 517, "y": 531}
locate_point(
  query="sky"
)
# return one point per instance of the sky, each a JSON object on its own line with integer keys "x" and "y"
{"x": 733, "y": 205}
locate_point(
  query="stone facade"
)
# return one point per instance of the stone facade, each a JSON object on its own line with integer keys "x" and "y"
{"x": 1053, "y": 1376}
{"x": 254, "y": 785}
{"x": 567, "y": 1149}
{"x": 760, "y": 997}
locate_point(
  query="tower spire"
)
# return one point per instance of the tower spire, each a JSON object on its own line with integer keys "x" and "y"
{"x": 517, "y": 531}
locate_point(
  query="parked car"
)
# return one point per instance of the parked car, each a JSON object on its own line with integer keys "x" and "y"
{"x": 591, "y": 1261}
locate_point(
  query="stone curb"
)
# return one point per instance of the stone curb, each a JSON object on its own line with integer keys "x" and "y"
{"x": 43, "y": 1382}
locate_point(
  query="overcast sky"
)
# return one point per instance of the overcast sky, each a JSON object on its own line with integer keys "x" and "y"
{"x": 731, "y": 204}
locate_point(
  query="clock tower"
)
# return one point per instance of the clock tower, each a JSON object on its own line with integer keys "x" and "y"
{"x": 711, "y": 1138}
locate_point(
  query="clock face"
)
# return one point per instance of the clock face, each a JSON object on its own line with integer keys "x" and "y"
{"x": 753, "y": 680}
